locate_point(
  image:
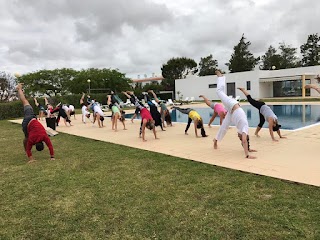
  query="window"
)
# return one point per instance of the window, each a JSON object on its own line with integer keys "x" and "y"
{"x": 212, "y": 85}
{"x": 248, "y": 85}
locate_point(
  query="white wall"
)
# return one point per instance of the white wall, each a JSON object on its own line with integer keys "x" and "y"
{"x": 193, "y": 86}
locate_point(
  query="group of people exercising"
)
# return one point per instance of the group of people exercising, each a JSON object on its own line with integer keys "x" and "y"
{"x": 229, "y": 112}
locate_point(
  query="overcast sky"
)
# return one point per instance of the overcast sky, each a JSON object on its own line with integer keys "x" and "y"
{"x": 137, "y": 37}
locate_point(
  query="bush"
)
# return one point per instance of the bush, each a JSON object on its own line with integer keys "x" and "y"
{"x": 15, "y": 109}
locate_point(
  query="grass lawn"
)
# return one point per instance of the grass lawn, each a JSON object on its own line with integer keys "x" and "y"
{"x": 98, "y": 190}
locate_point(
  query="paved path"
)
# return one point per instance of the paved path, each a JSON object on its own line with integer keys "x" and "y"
{"x": 295, "y": 158}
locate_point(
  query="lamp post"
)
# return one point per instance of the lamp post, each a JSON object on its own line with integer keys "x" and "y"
{"x": 273, "y": 67}
{"x": 89, "y": 84}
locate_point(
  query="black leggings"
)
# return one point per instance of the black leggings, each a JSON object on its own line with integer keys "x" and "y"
{"x": 258, "y": 105}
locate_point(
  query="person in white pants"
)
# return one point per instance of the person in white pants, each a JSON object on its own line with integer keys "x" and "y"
{"x": 235, "y": 115}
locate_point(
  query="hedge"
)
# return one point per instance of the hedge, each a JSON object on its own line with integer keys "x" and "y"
{"x": 15, "y": 109}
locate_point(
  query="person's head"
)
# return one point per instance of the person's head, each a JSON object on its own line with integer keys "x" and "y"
{"x": 318, "y": 78}
{"x": 218, "y": 72}
{"x": 150, "y": 124}
{"x": 200, "y": 124}
{"x": 276, "y": 127}
{"x": 101, "y": 118}
{"x": 72, "y": 113}
{"x": 39, "y": 146}
{"x": 88, "y": 115}
{"x": 167, "y": 118}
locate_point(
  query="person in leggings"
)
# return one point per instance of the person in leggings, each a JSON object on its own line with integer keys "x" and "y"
{"x": 42, "y": 110}
{"x": 147, "y": 120}
{"x": 218, "y": 110}
{"x": 165, "y": 114}
{"x": 156, "y": 115}
{"x": 265, "y": 113}
{"x": 235, "y": 115}
{"x": 195, "y": 117}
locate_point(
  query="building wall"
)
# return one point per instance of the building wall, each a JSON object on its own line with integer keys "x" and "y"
{"x": 193, "y": 86}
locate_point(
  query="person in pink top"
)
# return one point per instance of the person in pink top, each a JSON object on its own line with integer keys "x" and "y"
{"x": 218, "y": 110}
{"x": 146, "y": 118}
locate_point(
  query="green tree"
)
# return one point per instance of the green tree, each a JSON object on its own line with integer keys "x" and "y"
{"x": 270, "y": 59}
{"x": 311, "y": 51}
{"x": 177, "y": 68}
{"x": 242, "y": 59}
{"x": 49, "y": 82}
{"x": 207, "y": 66}
{"x": 288, "y": 57}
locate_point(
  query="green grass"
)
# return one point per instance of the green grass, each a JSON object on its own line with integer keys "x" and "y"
{"x": 98, "y": 190}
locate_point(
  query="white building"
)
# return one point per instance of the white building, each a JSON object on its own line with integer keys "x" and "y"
{"x": 260, "y": 83}
{"x": 149, "y": 80}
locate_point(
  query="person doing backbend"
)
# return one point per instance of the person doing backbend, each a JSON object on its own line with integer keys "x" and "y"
{"x": 165, "y": 114}
{"x": 146, "y": 118}
{"x": 265, "y": 113}
{"x": 195, "y": 117}
{"x": 235, "y": 115}
{"x": 34, "y": 132}
{"x": 218, "y": 110}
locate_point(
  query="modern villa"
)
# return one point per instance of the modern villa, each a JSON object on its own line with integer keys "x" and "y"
{"x": 260, "y": 83}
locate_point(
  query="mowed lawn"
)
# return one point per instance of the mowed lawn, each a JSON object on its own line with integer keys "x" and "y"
{"x": 98, "y": 190}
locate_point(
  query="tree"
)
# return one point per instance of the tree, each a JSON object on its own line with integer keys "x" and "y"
{"x": 288, "y": 57}
{"x": 207, "y": 66}
{"x": 177, "y": 68}
{"x": 7, "y": 83}
{"x": 311, "y": 51}
{"x": 242, "y": 59}
{"x": 67, "y": 81}
{"x": 270, "y": 59}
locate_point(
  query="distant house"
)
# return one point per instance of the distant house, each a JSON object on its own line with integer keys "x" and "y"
{"x": 260, "y": 83}
{"x": 149, "y": 80}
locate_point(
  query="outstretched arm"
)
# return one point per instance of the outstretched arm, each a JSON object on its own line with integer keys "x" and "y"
{"x": 36, "y": 102}
{"x": 279, "y": 133}
{"x": 154, "y": 96}
{"x": 21, "y": 95}
{"x": 315, "y": 87}
{"x": 82, "y": 98}
{"x": 212, "y": 119}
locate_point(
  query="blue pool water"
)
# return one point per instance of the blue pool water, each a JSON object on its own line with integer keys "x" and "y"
{"x": 290, "y": 117}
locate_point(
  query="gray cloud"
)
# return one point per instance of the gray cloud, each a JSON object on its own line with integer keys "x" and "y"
{"x": 137, "y": 37}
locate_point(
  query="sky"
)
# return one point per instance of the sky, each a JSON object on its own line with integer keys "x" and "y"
{"x": 137, "y": 37}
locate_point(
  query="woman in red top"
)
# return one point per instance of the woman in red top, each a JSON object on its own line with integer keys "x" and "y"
{"x": 147, "y": 120}
{"x": 34, "y": 132}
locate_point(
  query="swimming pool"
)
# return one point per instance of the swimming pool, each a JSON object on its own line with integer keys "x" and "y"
{"x": 290, "y": 117}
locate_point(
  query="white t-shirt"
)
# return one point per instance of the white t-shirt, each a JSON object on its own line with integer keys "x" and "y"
{"x": 71, "y": 108}
{"x": 98, "y": 110}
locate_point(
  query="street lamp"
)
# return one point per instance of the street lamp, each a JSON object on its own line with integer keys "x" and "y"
{"x": 89, "y": 84}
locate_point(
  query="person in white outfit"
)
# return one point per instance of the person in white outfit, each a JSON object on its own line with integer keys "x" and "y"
{"x": 235, "y": 115}
{"x": 84, "y": 109}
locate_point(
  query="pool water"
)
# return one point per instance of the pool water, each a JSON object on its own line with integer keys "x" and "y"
{"x": 290, "y": 117}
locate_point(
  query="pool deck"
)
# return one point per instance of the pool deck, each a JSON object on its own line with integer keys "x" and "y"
{"x": 294, "y": 159}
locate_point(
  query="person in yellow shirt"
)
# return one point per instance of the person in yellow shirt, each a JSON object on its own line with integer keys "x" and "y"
{"x": 195, "y": 117}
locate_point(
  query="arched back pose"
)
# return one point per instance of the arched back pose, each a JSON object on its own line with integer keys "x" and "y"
{"x": 147, "y": 120}
{"x": 98, "y": 114}
{"x": 196, "y": 118}
{"x": 165, "y": 114}
{"x": 218, "y": 110}
{"x": 234, "y": 114}
{"x": 265, "y": 113}
{"x": 34, "y": 132}
{"x": 156, "y": 115}
{"x": 61, "y": 113}
{"x": 42, "y": 110}
{"x": 116, "y": 115}
{"x": 84, "y": 109}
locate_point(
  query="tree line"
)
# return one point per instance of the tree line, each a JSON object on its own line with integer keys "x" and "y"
{"x": 69, "y": 81}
